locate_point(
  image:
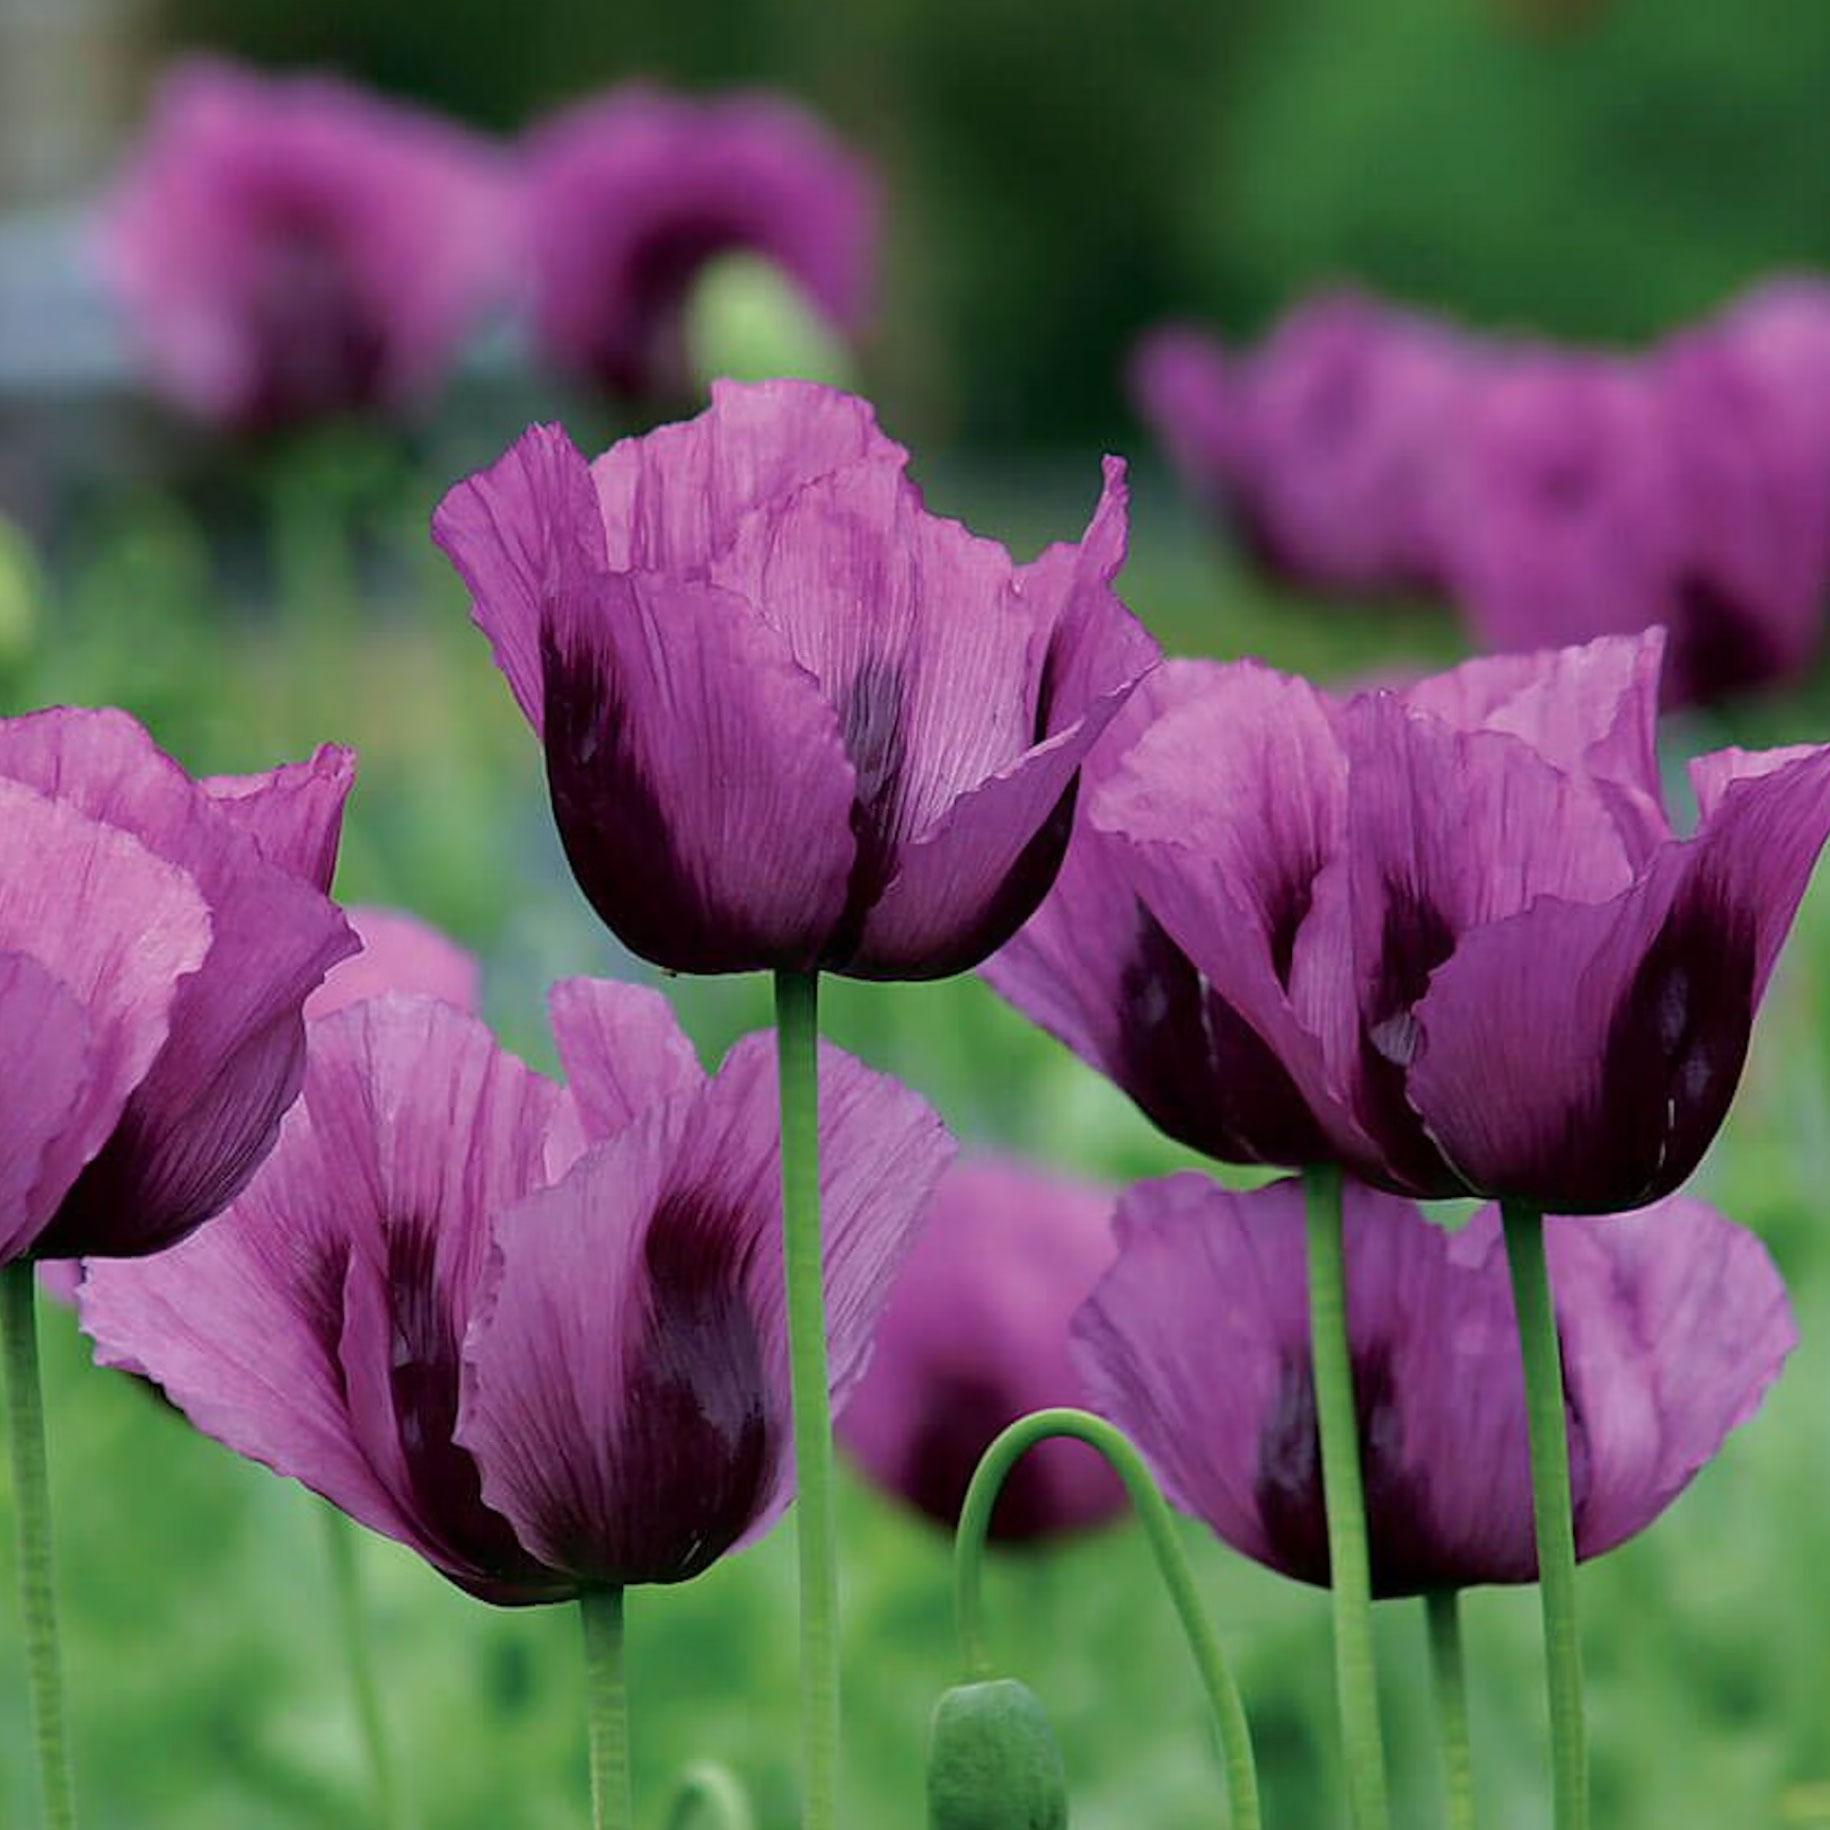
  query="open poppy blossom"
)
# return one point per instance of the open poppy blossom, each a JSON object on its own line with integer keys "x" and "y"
{"x": 792, "y": 720}
{"x": 976, "y": 1336}
{"x": 628, "y": 196}
{"x": 1458, "y": 918}
{"x": 160, "y": 938}
{"x": 535, "y": 1333}
{"x": 288, "y": 248}
{"x": 1673, "y": 1322}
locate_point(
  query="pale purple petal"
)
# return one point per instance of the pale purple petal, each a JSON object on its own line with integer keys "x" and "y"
{"x": 295, "y": 812}
{"x": 45, "y": 1034}
{"x": 622, "y": 1049}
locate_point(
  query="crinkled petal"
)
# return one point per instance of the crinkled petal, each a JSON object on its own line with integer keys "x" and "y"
{"x": 627, "y": 1398}
{"x": 295, "y": 812}
{"x": 673, "y": 500}
{"x": 520, "y": 533}
{"x": 45, "y": 1033}
{"x": 1674, "y": 1323}
{"x": 1582, "y": 1057}
{"x": 697, "y": 776}
{"x": 622, "y": 1049}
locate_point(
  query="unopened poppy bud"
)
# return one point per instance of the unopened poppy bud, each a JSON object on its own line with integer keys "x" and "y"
{"x": 993, "y": 1761}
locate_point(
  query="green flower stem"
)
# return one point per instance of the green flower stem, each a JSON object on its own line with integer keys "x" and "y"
{"x": 341, "y": 1547}
{"x": 1552, "y": 1517}
{"x": 32, "y": 1508}
{"x": 1159, "y": 1528}
{"x": 816, "y": 1527}
{"x": 1349, "y": 1572}
{"x": 1443, "y": 1612}
{"x": 607, "y": 1708}
{"x": 710, "y": 1798}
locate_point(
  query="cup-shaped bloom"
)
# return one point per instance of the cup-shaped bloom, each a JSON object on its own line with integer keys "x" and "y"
{"x": 791, "y": 719}
{"x": 1672, "y": 1323}
{"x": 290, "y": 248}
{"x": 627, "y": 196}
{"x": 158, "y": 937}
{"x": 1460, "y": 920}
{"x": 976, "y": 1336}
{"x": 1347, "y": 407}
{"x": 535, "y": 1333}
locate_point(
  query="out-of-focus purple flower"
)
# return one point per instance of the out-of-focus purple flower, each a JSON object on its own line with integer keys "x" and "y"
{"x": 288, "y": 248}
{"x": 1186, "y": 388}
{"x": 627, "y": 196}
{"x": 535, "y": 1333}
{"x": 1324, "y": 448}
{"x": 160, "y": 936}
{"x": 1457, "y": 917}
{"x": 1673, "y": 1322}
{"x": 791, "y": 719}
{"x": 400, "y": 953}
{"x": 1592, "y": 495}
{"x": 976, "y": 1336}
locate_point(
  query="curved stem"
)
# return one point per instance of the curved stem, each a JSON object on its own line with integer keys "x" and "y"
{"x": 709, "y": 1794}
{"x": 341, "y": 1548}
{"x": 1159, "y": 1528}
{"x": 607, "y": 1708}
{"x": 1349, "y": 1570}
{"x": 816, "y": 1528}
{"x": 1552, "y": 1517}
{"x": 1443, "y": 1611}
{"x": 32, "y": 1508}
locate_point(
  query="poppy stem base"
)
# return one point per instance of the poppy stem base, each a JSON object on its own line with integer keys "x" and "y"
{"x": 1450, "y": 1680}
{"x": 1349, "y": 1566}
{"x": 1159, "y": 1526}
{"x": 816, "y": 1527}
{"x": 1552, "y": 1516}
{"x": 607, "y": 1708}
{"x": 32, "y": 1513}
{"x": 710, "y": 1798}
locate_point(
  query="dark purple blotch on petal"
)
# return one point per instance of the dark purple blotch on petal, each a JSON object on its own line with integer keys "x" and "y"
{"x": 874, "y": 731}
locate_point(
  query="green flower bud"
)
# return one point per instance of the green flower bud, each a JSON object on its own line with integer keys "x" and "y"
{"x": 993, "y": 1761}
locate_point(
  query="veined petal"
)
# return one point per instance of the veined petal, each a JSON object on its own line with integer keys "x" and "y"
{"x": 295, "y": 812}
{"x": 622, "y": 1049}
{"x": 697, "y": 775}
{"x": 45, "y": 1031}
{"x": 521, "y": 533}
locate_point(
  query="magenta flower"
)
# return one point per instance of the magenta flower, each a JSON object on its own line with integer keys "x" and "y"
{"x": 288, "y": 248}
{"x": 976, "y": 1336}
{"x": 1459, "y": 919}
{"x": 1185, "y": 386}
{"x": 791, "y": 719}
{"x": 534, "y": 1333}
{"x": 160, "y": 938}
{"x": 1673, "y": 1322}
{"x": 629, "y": 195}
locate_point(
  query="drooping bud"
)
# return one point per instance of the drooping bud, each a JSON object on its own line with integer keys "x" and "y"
{"x": 993, "y": 1761}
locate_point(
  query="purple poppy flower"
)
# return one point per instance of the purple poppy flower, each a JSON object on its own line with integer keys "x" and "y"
{"x": 289, "y": 248}
{"x": 791, "y": 719}
{"x": 1673, "y": 1322}
{"x": 1346, "y": 408}
{"x": 628, "y": 196}
{"x": 534, "y": 1333}
{"x": 976, "y": 1336}
{"x": 160, "y": 941}
{"x": 1457, "y": 917}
